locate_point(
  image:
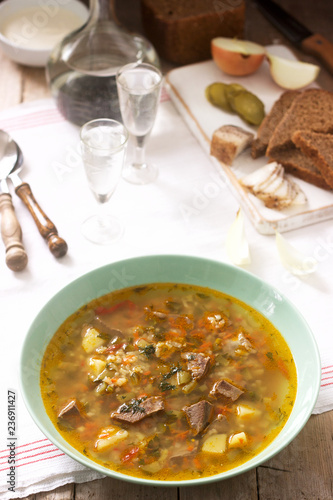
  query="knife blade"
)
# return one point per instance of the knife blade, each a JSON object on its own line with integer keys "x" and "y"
{"x": 309, "y": 42}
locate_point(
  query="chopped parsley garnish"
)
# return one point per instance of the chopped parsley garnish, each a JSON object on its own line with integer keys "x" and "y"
{"x": 269, "y": 355}
{"x": 174, "y": 369}
{"x": 148, "y": 350}
{"x": 153, "y": 447}
{"x": 165, "y": 386}
{"x": 133, "y": 406}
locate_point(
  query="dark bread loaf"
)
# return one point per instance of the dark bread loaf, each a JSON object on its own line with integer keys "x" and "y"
{"x": 319, "y": 149}
{"x": 270, "y": 122}
{"x": 181, "y": 30}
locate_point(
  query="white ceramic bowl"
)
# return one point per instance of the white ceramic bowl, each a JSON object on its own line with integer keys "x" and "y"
{"x": 38, "y": 31}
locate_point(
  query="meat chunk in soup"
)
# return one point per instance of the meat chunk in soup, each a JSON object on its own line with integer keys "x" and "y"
{"x": 199, "y": 415}
{"x": 197, "y": 364}
{"x": 70, "y": 410}
{"x": 137, "y": 409}
{"x": 226, "y": 390}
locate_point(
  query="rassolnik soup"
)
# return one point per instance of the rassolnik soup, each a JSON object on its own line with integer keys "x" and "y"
{"x": 168, "y": 381}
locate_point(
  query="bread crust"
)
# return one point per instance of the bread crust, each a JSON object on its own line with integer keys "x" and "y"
{"x": 228, "y": 142}
{"x": 312, "y": 110}
{"x": 271, "y": 121}
{"x": 319, "y": 149}
{"x": 299, "y": 165}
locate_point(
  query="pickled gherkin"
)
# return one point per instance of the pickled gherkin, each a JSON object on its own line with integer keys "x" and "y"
{"x": 231, "y": 90}
{"x": 216, "y": 95}
{"x": 248, "y": 107}
{"x": 234, "y": 98}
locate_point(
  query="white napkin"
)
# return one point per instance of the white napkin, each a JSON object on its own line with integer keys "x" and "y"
{"x": 188, "y": 210}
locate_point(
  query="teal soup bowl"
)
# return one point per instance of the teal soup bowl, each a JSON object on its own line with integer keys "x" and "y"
{"x": 174, "y": 269}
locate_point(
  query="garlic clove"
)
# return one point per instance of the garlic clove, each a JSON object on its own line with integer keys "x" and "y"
{"x": 292, "y": 259}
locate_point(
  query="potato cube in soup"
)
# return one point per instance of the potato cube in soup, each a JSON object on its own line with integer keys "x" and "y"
{"x": 109, "y": 437}
{"x": 244, "y": 411}
{"x": 92, "y": 339}
{"x": 238, "y": 440}
{"x": 217, "y": 443}
{"x": 141, "y": 343}
{"x": 96, "y": 366}
{"x": 183, "y": 377}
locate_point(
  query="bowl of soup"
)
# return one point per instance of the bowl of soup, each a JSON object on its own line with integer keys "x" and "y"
{"x": 170, "y": 370}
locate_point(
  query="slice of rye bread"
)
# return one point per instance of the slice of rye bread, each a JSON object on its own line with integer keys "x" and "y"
{"x": 298, "y": 164}
{"x": 270, "y": 122}
{"x": 312, "y": 110}
{"x": 319, "y": 149}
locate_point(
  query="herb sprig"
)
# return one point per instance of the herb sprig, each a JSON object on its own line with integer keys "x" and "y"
{"x": 166, "y": 386}
{"x": 133, "y": 406}
{"x": 148, "y": 350}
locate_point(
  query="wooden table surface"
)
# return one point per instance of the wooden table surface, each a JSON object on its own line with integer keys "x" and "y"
{"x": 304, "y": 469}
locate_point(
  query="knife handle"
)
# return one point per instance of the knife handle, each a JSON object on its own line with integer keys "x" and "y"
{"x": 16, "y": 257}
{"x": 319, "y": 46}
{"x": 47, "y": 229}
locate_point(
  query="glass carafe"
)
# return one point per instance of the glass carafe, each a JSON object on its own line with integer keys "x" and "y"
{"x": 81, "y": 70}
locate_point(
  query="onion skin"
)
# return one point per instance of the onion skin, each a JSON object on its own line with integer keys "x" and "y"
{"x": 236, "y": 243}
{"x": 236, "y": 63}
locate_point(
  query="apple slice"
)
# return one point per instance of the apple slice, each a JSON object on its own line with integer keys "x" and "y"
{"x": 291, "y": 75}
{"x": 237, "y": 57}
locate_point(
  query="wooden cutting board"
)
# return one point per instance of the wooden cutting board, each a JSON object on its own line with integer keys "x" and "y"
{"x": 186, "y": 86}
